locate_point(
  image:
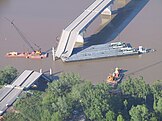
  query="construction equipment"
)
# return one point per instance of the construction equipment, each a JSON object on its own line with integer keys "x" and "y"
{"x": 35, "y": 54}
{"x": 38, "y": 51}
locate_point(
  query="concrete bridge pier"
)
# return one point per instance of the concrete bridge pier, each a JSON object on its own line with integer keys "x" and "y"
{"x": 106, "y": 15}
{"x": 80, "y": 37}
{"x": 107, "y": 11}
{"x": 105, "y": 19}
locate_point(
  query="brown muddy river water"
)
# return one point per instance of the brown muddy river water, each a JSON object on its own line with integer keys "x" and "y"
{"x": 41, "y": 21}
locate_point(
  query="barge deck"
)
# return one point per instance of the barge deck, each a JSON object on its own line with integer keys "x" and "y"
{"x": 103, "y": 51}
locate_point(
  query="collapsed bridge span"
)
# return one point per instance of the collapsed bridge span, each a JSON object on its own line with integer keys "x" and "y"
{"x": 72, "y": 32}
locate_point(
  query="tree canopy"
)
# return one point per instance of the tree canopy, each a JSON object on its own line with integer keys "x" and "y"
{"x": 71, "y": 98}
{"x": 7, "y": 75}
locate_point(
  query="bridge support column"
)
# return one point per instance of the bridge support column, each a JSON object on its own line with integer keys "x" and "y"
{"x": 53, "y": 53}
{"x": 80, "y": 38}
{"x": 107, "y": 11}
{"x": 40, "y": 71}
{"x": 105, "y": 19}
{"x": 106, "y": 15}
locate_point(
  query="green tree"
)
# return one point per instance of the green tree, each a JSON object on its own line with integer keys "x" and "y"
{"x": 46, "y": 116}
{"x": 7, "y": 75}
{"x": 14, "y": 117}
{"x": 139, "y": 113}
{"x": 64, "y": 106}
{"x": 157, "y": 88}
{"x": 125, "y": 103}
{"x": 120, "y": 118}
{"x": 30, "y": 105}
{"x": 110, "y": 116}
{"x": 70, "y": 94}
{"x": 135, "y": 87}
{"x": 94, "y": 113}
{"x": 63, "y": 95}
{"x": 96, "y": 101}
{"x": 61, "y": 87}
{"x": 153, "y": 117}
{"x": 56, "y": 117}
{"x": 159, "y": 106}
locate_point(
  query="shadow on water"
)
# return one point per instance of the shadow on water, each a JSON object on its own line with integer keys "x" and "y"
{"x": 42, "y": 83}
{"x": 53, "y": 76}
{"x": 124, "y": 16}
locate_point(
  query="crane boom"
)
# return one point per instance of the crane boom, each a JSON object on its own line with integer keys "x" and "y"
{"x": 21, "y": 35}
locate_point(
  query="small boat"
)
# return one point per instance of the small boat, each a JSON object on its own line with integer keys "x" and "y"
{"x": 32, "y": 55}
{"x": 115, "y": 78}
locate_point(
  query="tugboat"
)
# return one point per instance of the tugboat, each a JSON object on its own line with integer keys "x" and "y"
{"x": 116, "y": 77}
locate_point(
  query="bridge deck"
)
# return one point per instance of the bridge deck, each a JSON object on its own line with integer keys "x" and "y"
{"x": 22, "y": 78}
{"x": 9, "y": 93}
{"x": 32, "y": 78}
{"x": 83, "y": 15}
{"x": 4, "y": 92}
{"x": 9, "y": 99}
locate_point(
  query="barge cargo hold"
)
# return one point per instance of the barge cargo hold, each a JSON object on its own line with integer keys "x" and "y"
{"x": 103, "y": 51}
